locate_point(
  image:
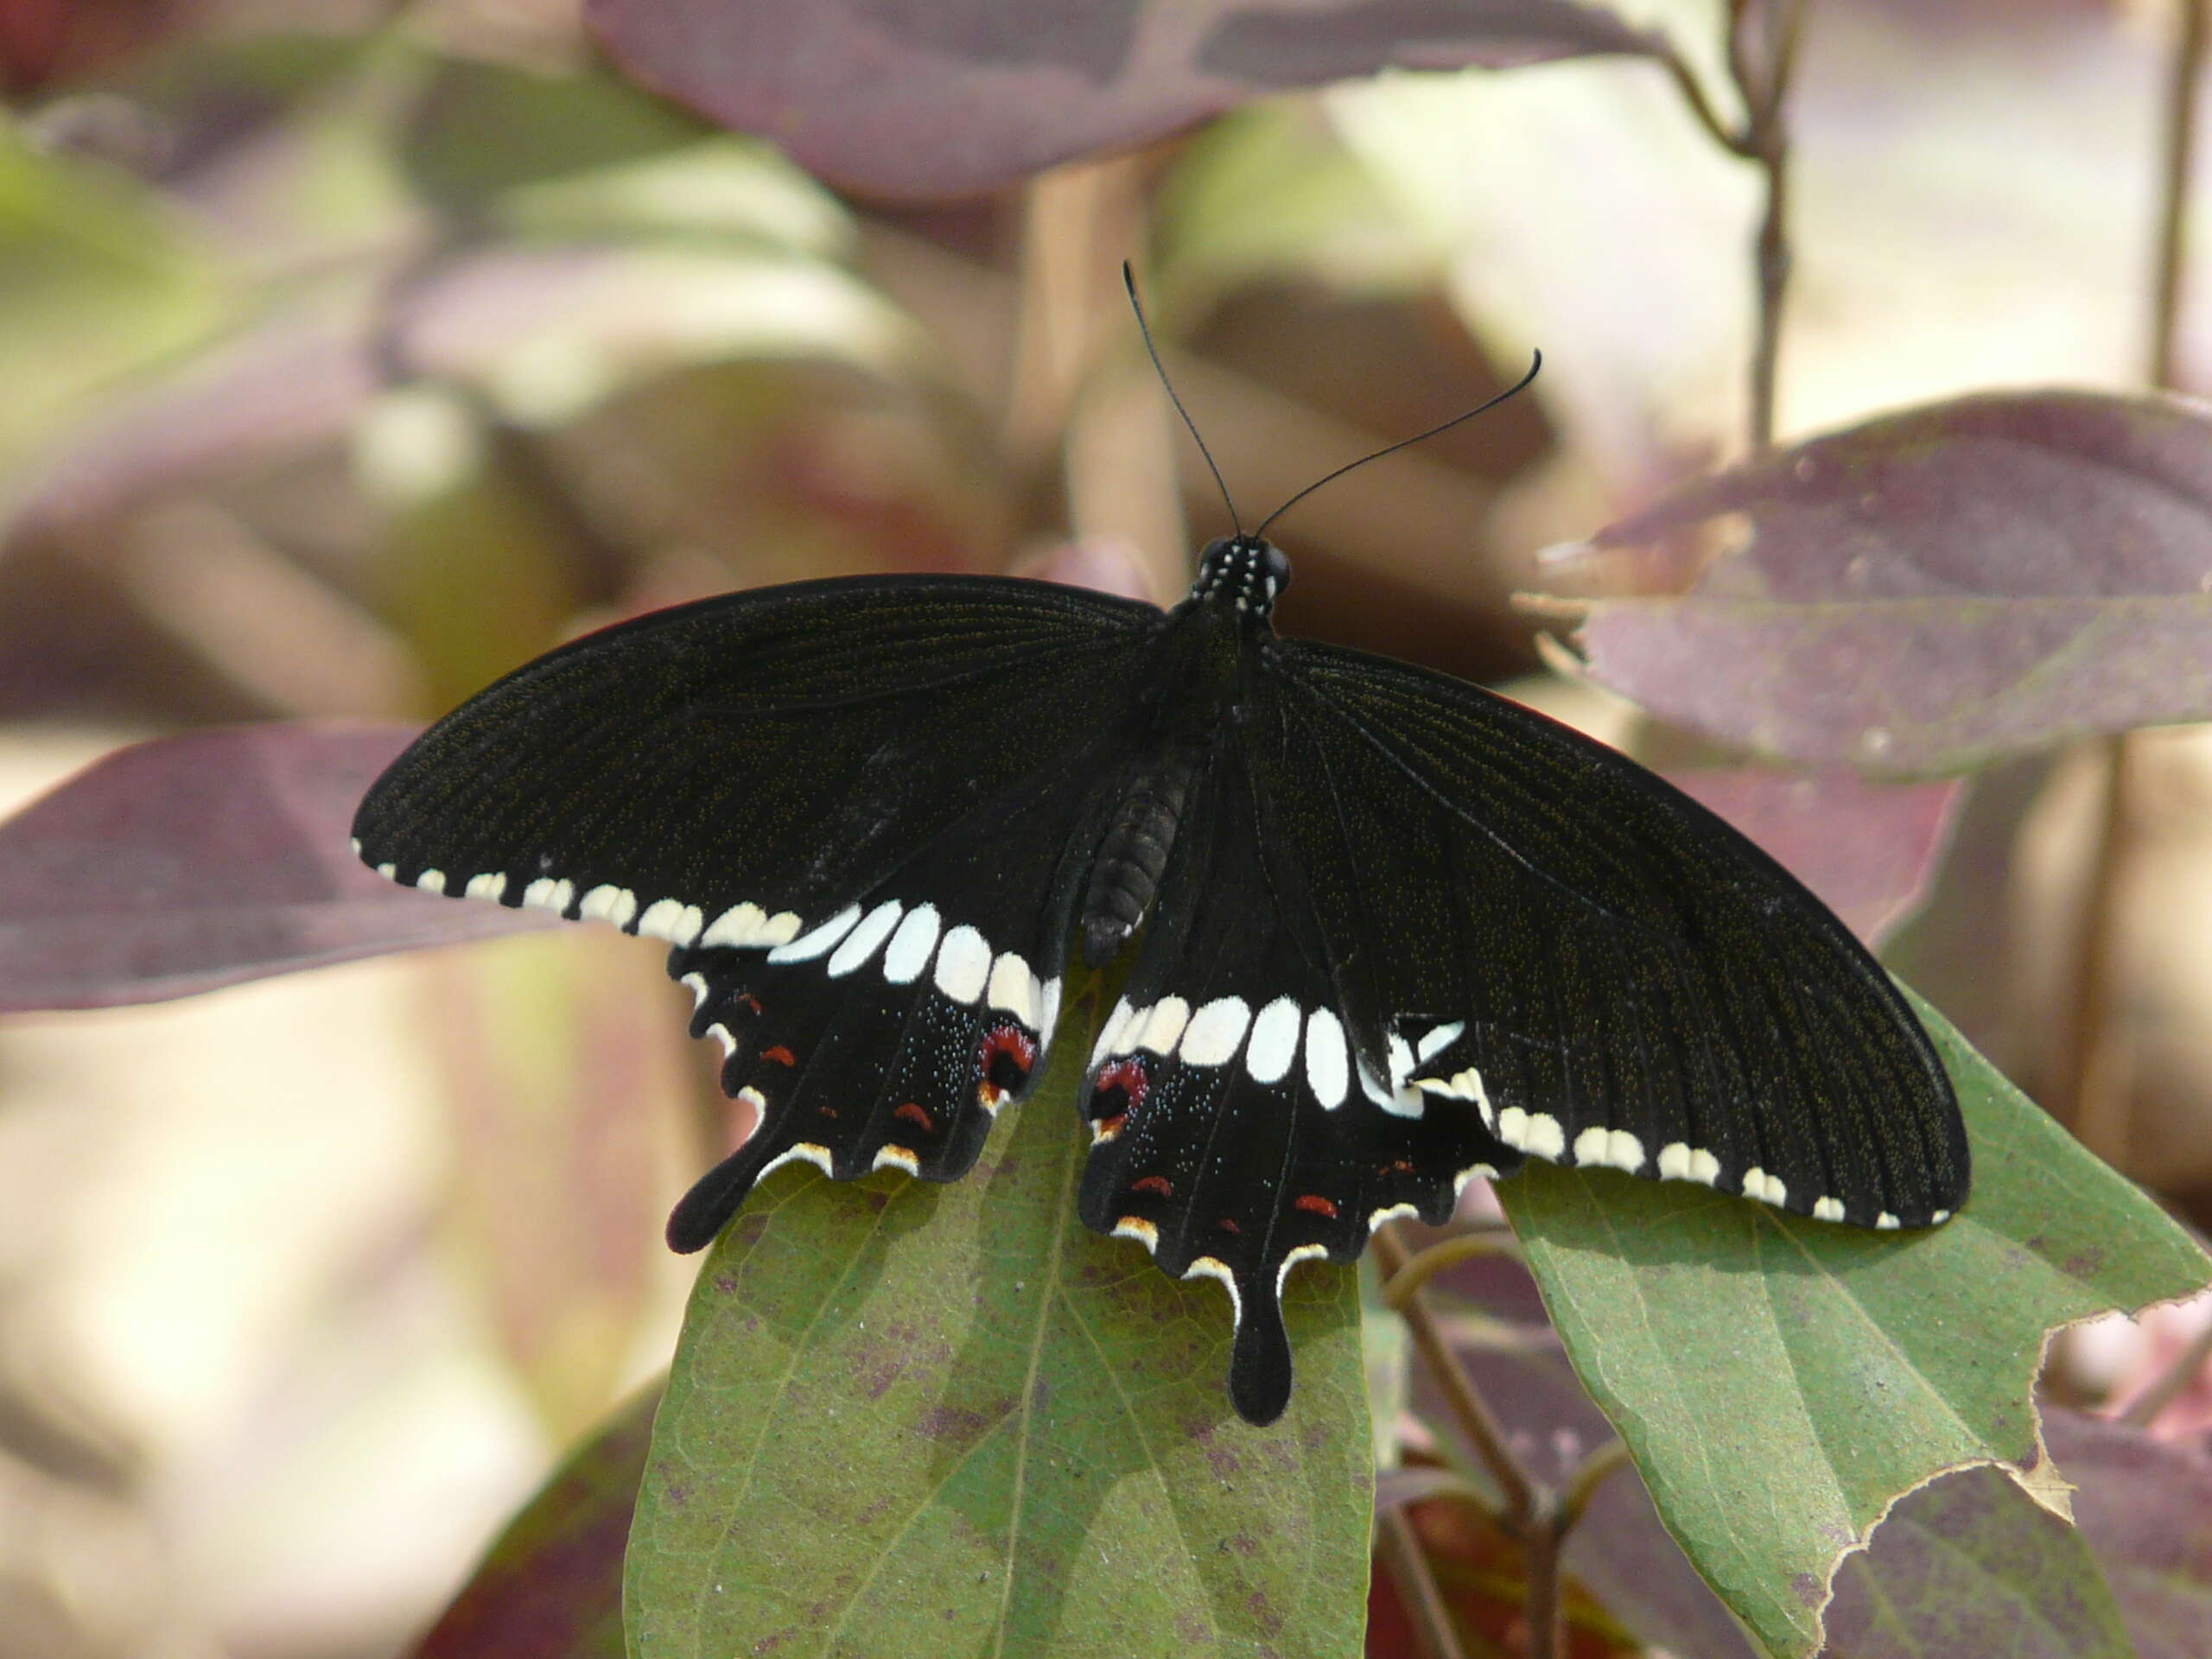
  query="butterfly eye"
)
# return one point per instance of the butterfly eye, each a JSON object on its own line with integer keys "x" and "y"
{"x": 1278, "y": 566}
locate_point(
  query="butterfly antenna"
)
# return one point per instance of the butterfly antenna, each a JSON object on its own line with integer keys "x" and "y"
{"x": 1391, "y": 449}
{"x": 1129, "y": 281}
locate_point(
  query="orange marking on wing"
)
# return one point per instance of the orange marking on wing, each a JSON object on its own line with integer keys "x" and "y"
{"x": 1397, "y": 1166}
{"x": 751, "y": 1002}
{"x": 1229, "y": 1226}
{"x": 912, "y": 1112}
{"x": 1154, "y": 1184}
{"x": 780, "y": 1055}
{"x": 1314, "y": 1204}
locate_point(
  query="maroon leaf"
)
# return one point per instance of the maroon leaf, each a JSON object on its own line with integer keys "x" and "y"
{"x": 1931, "y": 589}
{"x": 2145, "y": 1506}
{"x": 188, "y": 863}
{"x": 907, "y": 99}
{"x": 1968, "y": 1567}
{"x": 552, "y": 1586}
{"x": 1619, "y": 1553}
{"x": 1867, "y": 849}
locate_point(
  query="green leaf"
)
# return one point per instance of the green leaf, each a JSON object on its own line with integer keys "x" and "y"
{"x": 483, "y": 128}
{"x": 550, "y": 1587}
{"x": 1780, "y": 1380}
{"x": 910, "y": 1418}
{"x": 1970, "y": 1566}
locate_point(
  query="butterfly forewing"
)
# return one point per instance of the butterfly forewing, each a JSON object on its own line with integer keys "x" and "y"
{"x": 1640, "y": 987}
{"x": 739, "y": 770}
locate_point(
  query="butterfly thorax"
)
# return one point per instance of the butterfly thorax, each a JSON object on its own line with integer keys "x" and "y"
{"x": 1199, "y": 667}
{"x": 1241, "y": 574}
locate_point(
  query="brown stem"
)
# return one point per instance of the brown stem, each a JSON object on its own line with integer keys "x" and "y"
{"x": 2186, "y": 71}
{"x": 1763, "y": 82}
{"x": 1531, "y": 1509}
{"x": 2143, "y": 1410}
{"x": 1729, "y": 138}
{"x": 1541, "y": 1611}
{"x": 1589, "y": 1475}
{"x": 1400, "y": 1547}
{"x": 1426, "y": 1264}
{"x": 2099, "y": 1060}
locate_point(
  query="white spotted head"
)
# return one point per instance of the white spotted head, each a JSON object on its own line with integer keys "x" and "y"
{"x": 1241, "y": 573}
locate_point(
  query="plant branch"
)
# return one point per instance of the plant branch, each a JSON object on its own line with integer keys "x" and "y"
{"x": 1400, "y": 1547}
{"x": 1589, "y": 1475}
{"x": 2166, "y": 1387}
{"x": 1729, "y": 137}
{"x": 1470, "y": 1411}
{"x": 2100, "y": 1058}
{"x": 1426, "y": 1264}
{"x": 2186, "y": 71}
{"x": 1763, "y": 82}
{"x": 1532, "y": 1510}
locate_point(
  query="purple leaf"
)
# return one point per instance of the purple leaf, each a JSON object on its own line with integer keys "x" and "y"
{"x": 1867, "y": 849}
{"x": 552, "y": 1586}
{"x": 905, "y": 99}
{"x": 189, "y": 862}
{"x": 1619, "y": 1552}
{"x": 2145, "y": 1506}
{"x": 1969, "y": 1566}
{"x": 1932, "y": 589}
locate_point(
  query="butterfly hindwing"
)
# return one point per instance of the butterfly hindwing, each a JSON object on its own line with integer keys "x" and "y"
{"x": 891, "y": 1036}
{"x": 1638, "y": 986}
{"x": 1233, "y": 1133}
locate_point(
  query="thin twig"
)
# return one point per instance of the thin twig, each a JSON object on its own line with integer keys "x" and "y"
{"x": 2167, "y": 1388}
{"x": 1589, "y": 1475}
{"x": 1728, "y": 137}
{"x": 2099, "y": 1082}
{"x": 1400, "y": 1548}
{"x": 2186, "y": 71}
{"x": 2100, "y": 1057}
{"x": 1426, "y": 1264}
{"x": 1470, "y": 1411}
{"x": 1532, "y": 1512}
{"x": 1763, "y": 84}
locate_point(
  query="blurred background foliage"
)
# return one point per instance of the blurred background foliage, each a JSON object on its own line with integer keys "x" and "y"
{"x": 356, "y": 352}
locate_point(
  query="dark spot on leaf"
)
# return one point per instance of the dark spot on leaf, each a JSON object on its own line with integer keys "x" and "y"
{"x": 1269, "y": 1620}
{"x": 951, "y": 1423}
{"x": 1807, "y": 1589}
{"x": 725, "y": 1282}
{"x": 2083, "y": 1264}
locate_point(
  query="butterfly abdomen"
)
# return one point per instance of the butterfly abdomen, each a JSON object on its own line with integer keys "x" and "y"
{"x": 1133, "y": 855}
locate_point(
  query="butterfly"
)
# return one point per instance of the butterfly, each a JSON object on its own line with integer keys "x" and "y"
{"x": 1383, "y": 932}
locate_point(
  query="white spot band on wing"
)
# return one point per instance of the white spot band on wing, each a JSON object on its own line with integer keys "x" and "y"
{"x": 821, "y": 941}
{"x": 864, "y": 940}
{"x": 1274, "y": 1045}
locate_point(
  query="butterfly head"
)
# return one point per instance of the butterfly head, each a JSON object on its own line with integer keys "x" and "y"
{"x": 1243, "y": 572}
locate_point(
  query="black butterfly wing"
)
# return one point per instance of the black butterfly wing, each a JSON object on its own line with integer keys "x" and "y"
{"x": 859, "y": 811}
{"x": 737, "y": 771}
{"x": 891, "y": 1036}
{"x": 1623, "y": 980}
{"x": 1232, "y": 1132}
